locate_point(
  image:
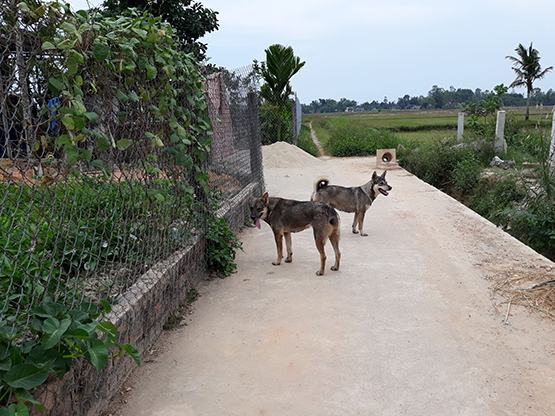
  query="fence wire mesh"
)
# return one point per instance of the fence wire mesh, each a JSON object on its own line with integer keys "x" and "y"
{"x": 235, "y": 158}
{"x": 85, "y": 231}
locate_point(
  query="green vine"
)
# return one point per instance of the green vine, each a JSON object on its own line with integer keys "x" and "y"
{"x": 123, "y": 87}
{"x": 137, "y": 60}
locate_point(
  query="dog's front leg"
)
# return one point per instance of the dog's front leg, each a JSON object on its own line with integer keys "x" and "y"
{"x": 279, "y": 246}
{"x": 361, "y": 224}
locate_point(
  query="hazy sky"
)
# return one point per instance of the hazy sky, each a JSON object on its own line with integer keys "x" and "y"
{"x": 369, "y": 49}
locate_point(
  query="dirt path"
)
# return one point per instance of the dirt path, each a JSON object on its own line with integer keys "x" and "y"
{"x": 316, "y": 141}
{"x": 408, "y": 326}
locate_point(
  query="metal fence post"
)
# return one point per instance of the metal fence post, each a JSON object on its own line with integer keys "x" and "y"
{"x": 500, "y": 145}
{"x": 255, "y": 140}
{"x": 460, "y": 127}
{"x": 552, "y": 146}
{"x": 24, "y": 88}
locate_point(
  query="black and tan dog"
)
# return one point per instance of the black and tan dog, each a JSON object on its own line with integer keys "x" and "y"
{"x": 287, "y": 216}
{"x": 355, "y": 199}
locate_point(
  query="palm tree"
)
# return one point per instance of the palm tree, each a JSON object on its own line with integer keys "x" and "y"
{"x": 276, "y": 113}
{"x": 280, "y": 66}
{"x": 528, "y": 70}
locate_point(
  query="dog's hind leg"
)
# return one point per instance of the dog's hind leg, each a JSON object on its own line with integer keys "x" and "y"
{"x": 334, "y": 240}
{"x": 355, "y": 220}
{"x": 279, "y": 246}
{"x": 320, "y": 240}
{"x": 361, "y": 224}
{"x": 288, "y": 245}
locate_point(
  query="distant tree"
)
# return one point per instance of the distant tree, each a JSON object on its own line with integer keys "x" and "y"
{"x": 344, "y": 103}
{"x": 437, "y": 96}
{"x": 500, "y": 91}
{"x": 528, "y": 70}
{"x": 190, "y": 19}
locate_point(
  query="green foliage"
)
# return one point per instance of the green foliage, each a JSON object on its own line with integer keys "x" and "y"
{"x": 99, "y": 52}
{"x": 439, "y": 163}
{"x": 57, "y": 335}
{"x": 96, "y": 222}
{"x": 530, "y": 140}
{"x": 527, "y": 214}
{"x": 190, "y": 19}
{"x": 535, "y": 224}
{"x": 276, "y": 116}
{"x": 493, "y": 197}
{"x": 305, "y": 142}
{"x": 276, "y": 123}
{"x": 222, "y": 244}
{"x": 280, "y": 66}
{"x": 466, "y": 174}
{"x": 350, "y": 141}
{"x": 90, "y": 226}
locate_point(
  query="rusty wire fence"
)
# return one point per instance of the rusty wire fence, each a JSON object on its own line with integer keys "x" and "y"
{"x": 235, "y": 158}
{"x": 83, "y": 228}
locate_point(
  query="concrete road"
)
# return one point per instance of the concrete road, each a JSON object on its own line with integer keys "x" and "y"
{"x": 408, "y": 326}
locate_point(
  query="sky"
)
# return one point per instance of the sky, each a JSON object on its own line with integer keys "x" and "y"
{"x": 371, "y": 49}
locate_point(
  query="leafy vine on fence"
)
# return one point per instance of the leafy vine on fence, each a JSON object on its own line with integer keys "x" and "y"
{"x": 103, "y": 72}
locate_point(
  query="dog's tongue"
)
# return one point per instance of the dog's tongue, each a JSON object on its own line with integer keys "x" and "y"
{"x": 257, "y": 222}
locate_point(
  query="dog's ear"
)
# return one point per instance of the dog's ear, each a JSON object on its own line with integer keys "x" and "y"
{"x": 374, "y": 176}
{"x": 265, "y": 197}
{"x": 383, "y": 174}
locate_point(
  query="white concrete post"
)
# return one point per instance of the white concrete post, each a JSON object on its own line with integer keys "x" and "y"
{"x": 460, "y": 127}
{"x": 500, "y": 145}
{"x": 552, "y": 147}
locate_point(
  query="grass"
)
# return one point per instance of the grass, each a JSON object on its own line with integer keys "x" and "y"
{"x": 305, "y": 142}
{"x": 410, "y": 118}
{"x": 427, "y": 135}
{"x": 322, "y": 130}
{"x": 409, "y": 126}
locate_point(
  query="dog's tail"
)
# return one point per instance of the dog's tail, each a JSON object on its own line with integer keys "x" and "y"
{"x": 321, "y": 183}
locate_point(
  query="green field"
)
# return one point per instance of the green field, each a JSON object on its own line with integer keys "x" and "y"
{"x": 407, "y": 125}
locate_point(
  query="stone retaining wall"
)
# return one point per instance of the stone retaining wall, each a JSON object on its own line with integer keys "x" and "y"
{"x": 140, "y": 314}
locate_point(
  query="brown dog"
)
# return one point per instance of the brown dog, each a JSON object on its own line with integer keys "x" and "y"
{"x": 287, "y": 216}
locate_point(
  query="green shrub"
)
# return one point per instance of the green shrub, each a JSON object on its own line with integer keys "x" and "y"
{"x": 534, "y": 224}
{"x": 305, "y": 142}
{"x": 533, "y": 142}
{"x": 276, "y": 123}
{"x": 54, "y": 337}
{"x": 352, "y": 141}
{"x": 50, "y": 235}
{"x": 493, "y": 198}
{"x": 436, "y": 162}
{"x": 222, "y": 244}
{"x": 466, "y": 174}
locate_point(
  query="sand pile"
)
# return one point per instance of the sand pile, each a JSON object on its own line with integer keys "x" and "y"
{"x": 285, "y": 155}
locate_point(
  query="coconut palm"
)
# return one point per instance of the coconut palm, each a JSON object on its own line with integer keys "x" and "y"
{"x": 528, "y": 70}
{"x": 280, "y": 66}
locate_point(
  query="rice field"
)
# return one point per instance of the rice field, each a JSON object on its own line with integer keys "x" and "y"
{"x": 410, "y": 125}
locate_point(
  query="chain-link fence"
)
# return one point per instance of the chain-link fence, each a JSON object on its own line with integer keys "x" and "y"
{"x": 235, "y": 158}
{"x": 104, "y": 161}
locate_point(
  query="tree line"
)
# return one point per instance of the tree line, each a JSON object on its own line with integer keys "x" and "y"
{"x": 437, "y": 98}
